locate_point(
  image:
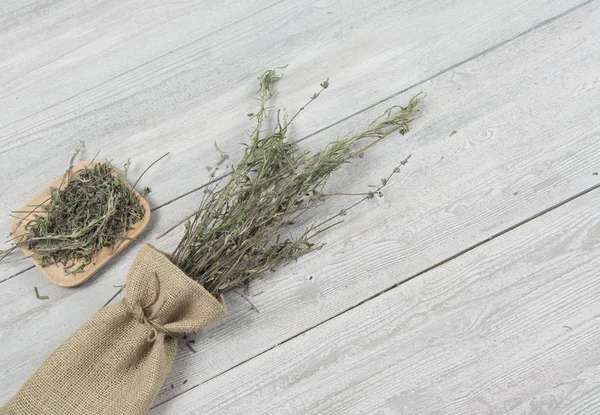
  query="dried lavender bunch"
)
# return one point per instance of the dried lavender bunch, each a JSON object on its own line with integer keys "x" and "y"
{"x": 237, "y": 234}
{"x": 92, "y": 209}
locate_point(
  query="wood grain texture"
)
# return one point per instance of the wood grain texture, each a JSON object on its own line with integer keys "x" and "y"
{"x": 526, "y": 146}
{"x": 199, "y": 93}
{"x": 51, "y": 51}
{"x": 512, "y": 326}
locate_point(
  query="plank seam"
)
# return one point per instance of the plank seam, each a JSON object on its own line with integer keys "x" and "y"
{"x": 17, "y": 273}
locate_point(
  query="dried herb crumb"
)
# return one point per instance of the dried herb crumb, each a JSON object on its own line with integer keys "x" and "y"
{"x": 189, "y": 346}
{"x": 121, "y": 288}
{"x": 38, "y": 296}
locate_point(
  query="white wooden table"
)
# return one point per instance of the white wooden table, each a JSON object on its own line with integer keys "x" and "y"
{"x": 473, "y": 286}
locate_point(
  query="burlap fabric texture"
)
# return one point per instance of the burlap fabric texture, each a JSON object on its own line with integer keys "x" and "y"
{"x": 117, "y": 362}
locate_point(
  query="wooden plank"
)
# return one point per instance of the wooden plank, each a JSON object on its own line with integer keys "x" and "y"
{"x": 52, "y": 51}
{"x": 526, "y": 146}
{"x": 509, "y": 327}
{"x": 185, "y": 100}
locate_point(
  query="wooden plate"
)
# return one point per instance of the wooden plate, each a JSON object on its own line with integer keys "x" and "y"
{"x": 56, "y": 273}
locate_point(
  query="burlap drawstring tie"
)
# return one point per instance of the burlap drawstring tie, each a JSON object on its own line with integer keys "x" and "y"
{"x": 117, "y": 362}
{"x": 140, "y": 315}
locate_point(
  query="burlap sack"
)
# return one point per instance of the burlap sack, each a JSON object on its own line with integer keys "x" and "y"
{"x": 117, "y": 362}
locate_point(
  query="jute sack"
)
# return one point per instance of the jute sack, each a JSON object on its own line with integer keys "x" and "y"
{"x": 117, "y": 361}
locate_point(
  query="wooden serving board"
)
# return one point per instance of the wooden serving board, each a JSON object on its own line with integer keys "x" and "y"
{"x": 56, "y": 273}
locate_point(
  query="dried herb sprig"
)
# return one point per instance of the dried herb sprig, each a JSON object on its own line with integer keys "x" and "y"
{"x": 93, "y": 208}
{"x": 237, "y": 234}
